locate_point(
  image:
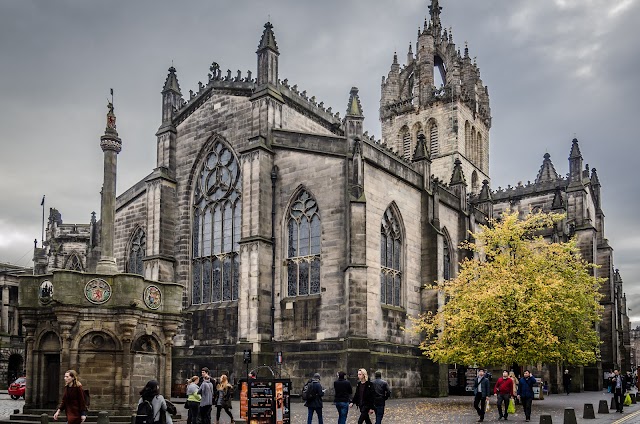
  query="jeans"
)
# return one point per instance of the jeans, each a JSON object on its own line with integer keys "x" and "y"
{"x": 205, "y": 414}
{"x": 343, "y": 410}
{"x": 192, "y": 417}
{"x": 219, "y": 409}
{"x": 480, "y": 404}
{"x": 310, "y": 416}
{"x": 526, "y": 404}
{"x": 503, "y": 399}
{"x": 379, "y": 413}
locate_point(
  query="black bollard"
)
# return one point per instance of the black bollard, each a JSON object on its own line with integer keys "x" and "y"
{"x": 44, "y": 419}
{"x": 634, "y": 397}
{"x": 546, "y": 419}
{"x": 570, "y": 416}
{"x": 588, "y": 413}
{"x": 603, "y": 408}
{"x": 103, "y": 417}
{"x": 613, "y": 403}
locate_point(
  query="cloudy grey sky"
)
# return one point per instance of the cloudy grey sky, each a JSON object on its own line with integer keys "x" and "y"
{"x": 554, "y": 68}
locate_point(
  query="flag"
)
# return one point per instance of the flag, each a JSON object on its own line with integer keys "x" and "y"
{"x": 42, "y": 203}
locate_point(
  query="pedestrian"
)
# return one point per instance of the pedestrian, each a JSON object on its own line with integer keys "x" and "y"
{"x": 566, "y": 381}
{"x": 607, "y": 377}
{"x": 193, "y": 400}
{"x": 206, "y": 391}
{"x": 364, "y": 397}
{"x": 314, "y": 399}
{"x": 619, "y": 388}
{"x": 504, "y": 391}
{"x": 72, "y": 402}
{"x": 512, "y": 376}
{"x": 382, "y": 394}
{"x": 480, "y": 393}
{"x": 222, "y": 400}
{"x": 151, "y": 394}
{"x": 525, "y": 393}
{"x": 342, "y": 397}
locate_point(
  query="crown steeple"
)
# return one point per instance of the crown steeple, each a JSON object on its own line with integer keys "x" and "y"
{"x": 434, "y": 11}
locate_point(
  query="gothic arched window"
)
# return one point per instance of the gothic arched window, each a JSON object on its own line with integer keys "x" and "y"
{"x": 74, "y": 263}
{"x": 137, "y": 249}
{"x": 390, "y": 259}
{"x": 434, "y": 143}
{"x": 217, "y": 205}
{"x": 446, "y": 256}
{"x": 303, "y": 246}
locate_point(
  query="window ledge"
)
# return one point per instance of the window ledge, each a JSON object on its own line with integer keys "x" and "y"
{"x": 216, "y": 305}
{"x": 393, "y": 308}
{"x": 302, "y": 297}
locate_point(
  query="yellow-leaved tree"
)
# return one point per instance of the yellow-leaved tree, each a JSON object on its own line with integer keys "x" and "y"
{"x": 521, "y": 299}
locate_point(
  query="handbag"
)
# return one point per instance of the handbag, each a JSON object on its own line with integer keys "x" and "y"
{"x": 511, "y": 409}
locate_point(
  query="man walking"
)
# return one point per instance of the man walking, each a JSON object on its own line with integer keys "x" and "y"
{"x": 314, "y": 399}
{"x": 503, "y": 390}
{"x": 619, "y": 388}
{"x": 480, "y": 393}
{"x": 206, "y": 391}
{"x": 525, "y": 393}
{"x": 342, "y": 397}
{"x": 566, "y": 381}
{"x": 382, "y": 394}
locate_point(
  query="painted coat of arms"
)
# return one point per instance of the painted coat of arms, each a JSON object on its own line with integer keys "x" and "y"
{"x": 152, "y": 297}
{"x": 46, "y": 292}
{"x": 97, "y": 291}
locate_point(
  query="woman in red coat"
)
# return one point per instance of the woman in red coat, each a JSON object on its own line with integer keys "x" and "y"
{"x": 72, "y": 400}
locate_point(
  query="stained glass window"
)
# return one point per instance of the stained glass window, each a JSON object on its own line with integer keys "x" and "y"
{"x": 303, "y": 250}
{"x": 446, "y": 258}
{"x": 137, "y": 248}
{"x": 390, "y": 260}
{"x": 217, "y": 207}
{"x": 74, "y": 263}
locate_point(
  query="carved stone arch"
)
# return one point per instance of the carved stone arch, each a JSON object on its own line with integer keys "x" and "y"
{"x": 49, "y": 341}
{"x": 440, "y": 66}
{"x": 475, "y": 183}
{"x": 83, "y": 340}
{"x": 135, "y": 251}
{"x": 74, "y": 262}
{"x": 147, "y": 343}
{"x": 392, "y": 257}
{"x": 448, "y": 270}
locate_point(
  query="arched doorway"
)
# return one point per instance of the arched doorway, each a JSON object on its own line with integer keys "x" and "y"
{"x": 50, "y": 348}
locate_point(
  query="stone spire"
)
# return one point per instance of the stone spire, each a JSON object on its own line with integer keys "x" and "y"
{"x": 354, "y": 118}
{"x": 485, "y": 202}
{"x": 434, "y": 11}
{"x": 485, "y": 192}
{"x": 354, "y": 108}
{"x": 111, "y": 146}
{"x": 457, "y": 177}
{"x": 595, "y": 188}
{"x": 171, "y": 83}
{"x": 422, "y": 151}
{"x": 268, "y": 57}
{"x": 575, "y": 164}
{"x": 547, "y": 171}
{"x": 171, "y": 96}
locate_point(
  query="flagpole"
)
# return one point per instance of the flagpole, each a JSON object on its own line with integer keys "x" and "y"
{"x": 42, "y": 239}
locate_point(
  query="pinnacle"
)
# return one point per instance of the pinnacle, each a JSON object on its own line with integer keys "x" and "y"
{"x": 547, "y": 170}
{"x": 457, "y": 176}
{"x": 575, "y": 149}
{"x": 354, "y": 108}
{"x": 171, "y": 83}
{"x": 268, "y": 40}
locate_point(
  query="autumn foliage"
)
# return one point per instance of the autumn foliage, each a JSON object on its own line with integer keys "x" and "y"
{"x": 521, "y": 299}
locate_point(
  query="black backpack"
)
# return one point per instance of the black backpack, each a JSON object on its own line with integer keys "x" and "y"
{"x": 144, "y": 413}
{"x": 307, "y": 391}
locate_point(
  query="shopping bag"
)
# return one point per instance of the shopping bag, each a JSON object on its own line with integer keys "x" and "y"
{"x": 486, "y": 408}
{"x": 627, "y": 400}
{"x": 512, "y": 407}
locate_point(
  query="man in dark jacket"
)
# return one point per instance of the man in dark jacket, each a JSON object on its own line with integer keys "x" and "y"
{"x": 382, "y": 394}
{"x": 525, "y": 393}
{"x": 619, "y": 388}
{"x": 314, "y": 401}
{"x": 480, "y": 393}
{"x": 342, "y": 397}
{"x": 566, "y": 381}
{"x": 364, "y": 398}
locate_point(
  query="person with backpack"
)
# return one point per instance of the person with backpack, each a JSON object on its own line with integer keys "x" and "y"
{"x": 364, "y": 397}
{"x": 342, "y": 397}
{"x": 382, "y": 394}
{"x": 152, "y": 407}
{"x": 73, "y": 402}
{"x": 222, "y": 398}
{"x": 312, "y": 393}
{"x": 206, "y": 391}
{"x": 193, "y": 400}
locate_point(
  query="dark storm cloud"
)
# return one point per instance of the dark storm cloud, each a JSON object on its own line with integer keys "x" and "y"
{"x": 553, "y": 69}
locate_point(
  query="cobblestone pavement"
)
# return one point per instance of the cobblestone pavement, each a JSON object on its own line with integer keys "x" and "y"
{"x": 7, "y": 405}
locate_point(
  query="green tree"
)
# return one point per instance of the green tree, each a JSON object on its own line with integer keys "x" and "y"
{"x": 520, "y": 299}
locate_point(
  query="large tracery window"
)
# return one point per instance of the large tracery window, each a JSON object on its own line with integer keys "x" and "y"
{"x": 303, "y": 246}
{"x": 137, "y": 249}
{"x": 216, "y": 228}
{"x": 390, "y": 259}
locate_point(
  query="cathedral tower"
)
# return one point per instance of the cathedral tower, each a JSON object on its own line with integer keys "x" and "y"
{"x": 438, "y": 93}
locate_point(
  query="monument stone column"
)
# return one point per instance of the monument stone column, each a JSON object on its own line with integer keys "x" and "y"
{"x": 111, "y": 146}
{"x": 5, "y": 308}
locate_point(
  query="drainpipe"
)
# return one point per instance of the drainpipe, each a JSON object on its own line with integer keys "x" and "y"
{"x": 274, "y": 178}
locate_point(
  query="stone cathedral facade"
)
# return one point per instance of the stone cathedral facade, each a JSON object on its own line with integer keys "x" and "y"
{"x": 292, "y": 230}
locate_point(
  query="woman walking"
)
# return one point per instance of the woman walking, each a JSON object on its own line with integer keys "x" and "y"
{"x": 222, "y": 398}
{"x": 364, "y": 397}
{"x": 151, "y": 394}
{"x": 72, "y": 400}
{"x": 193, "y": 399}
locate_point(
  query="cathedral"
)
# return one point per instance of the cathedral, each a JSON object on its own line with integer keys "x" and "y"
{"x": 291, "y": 230}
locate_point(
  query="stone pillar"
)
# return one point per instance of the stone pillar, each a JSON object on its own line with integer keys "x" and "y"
{"x": 169, "y": 331}
{"x": 111, "y": 146}
{"x": 5, "y": 309}
{"x": 127, "y": 327}
{"x": 16, "y": 321}
{"x": 29, "y": 361}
